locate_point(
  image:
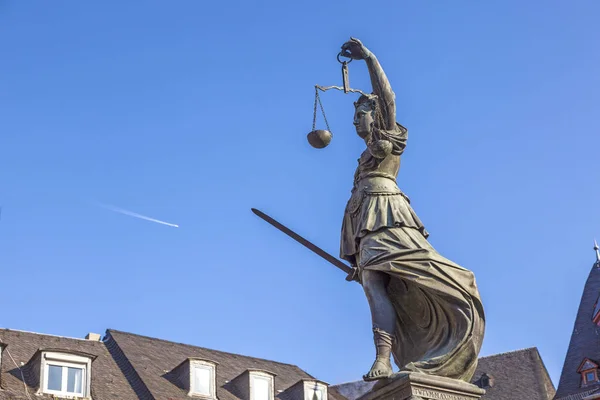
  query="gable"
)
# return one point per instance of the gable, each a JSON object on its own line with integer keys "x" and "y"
{"x": 587, "y": 364}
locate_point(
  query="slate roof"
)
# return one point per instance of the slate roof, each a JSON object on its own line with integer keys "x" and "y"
{"x": 126, "y": 366}
{"x": 107, "y": 380}
{"x": 585, "y": 340}
{"x": 354, "y": 390}
{"x": 148, "y": 361}
{"x": 519, "y": 374}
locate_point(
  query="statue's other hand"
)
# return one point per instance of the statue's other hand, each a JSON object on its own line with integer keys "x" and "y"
{"x": 355, "y": 50}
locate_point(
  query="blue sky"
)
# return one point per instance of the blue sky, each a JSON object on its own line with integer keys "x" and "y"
{"x": 193, "y": 112}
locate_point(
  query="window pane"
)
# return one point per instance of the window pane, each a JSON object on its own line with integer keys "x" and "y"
{"x": 74, "y": 377}
{"x": 261, "y": 388}
{"x": 315, "y": 393}
{"x": 319, "y": 394}
{"x": 54, "y": 377}
{"x": 202, "y": 381}
{"x": 590, "y": 377}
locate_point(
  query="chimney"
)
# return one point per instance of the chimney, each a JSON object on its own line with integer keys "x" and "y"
{"x": 93, "y": 336}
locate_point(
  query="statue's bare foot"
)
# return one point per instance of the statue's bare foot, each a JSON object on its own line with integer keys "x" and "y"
{"x": 381, "y": 369}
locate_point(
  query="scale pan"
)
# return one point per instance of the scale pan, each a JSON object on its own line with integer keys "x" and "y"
{"x": 319, "y": 138}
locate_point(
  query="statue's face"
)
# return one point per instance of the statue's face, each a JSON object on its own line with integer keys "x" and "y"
{"x": 363, "y": 118}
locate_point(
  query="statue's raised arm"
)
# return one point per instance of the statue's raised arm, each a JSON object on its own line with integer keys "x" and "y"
{"x": 381, "y": 85}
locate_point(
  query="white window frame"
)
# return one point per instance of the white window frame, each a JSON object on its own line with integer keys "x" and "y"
{"x": 262, "y": 375}
{"x": 212, "y": 368}
{"x": 65, "y": 361}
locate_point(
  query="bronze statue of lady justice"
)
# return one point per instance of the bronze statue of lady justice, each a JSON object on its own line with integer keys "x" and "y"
{"x": 426, "y": 310}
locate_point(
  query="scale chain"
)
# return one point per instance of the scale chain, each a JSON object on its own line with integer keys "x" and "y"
{"x": 318, "y": 100}
{"x": 322, "y": 111}
{"x": 315, "y": 110}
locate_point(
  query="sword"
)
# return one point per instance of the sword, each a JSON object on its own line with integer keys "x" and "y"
{"x": 304, "y": 242}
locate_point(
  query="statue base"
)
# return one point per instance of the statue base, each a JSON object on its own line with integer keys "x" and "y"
{"x": 417, "y": 386}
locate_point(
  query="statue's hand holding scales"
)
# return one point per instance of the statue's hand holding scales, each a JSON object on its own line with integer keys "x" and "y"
{"x": 353, "y": 50}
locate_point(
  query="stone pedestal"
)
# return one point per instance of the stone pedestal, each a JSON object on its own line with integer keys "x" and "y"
{"x": 416, "y": 386}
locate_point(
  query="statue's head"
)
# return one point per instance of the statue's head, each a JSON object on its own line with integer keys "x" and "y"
{"x": 365, "y": 109}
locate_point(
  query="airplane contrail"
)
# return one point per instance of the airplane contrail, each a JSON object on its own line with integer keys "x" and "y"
{"x": 135, "y": 215}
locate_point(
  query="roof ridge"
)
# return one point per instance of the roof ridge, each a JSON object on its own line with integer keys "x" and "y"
{"x": 205, "y": 348}
{"x": 526, "y": 349}
{"x": 46, "y": 334}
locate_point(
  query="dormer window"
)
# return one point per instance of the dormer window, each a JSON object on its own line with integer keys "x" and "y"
{"x": 196, "y": 376}
{"x": 591, "y": 376}
{"x": 261, "y": 386}
{"x": 485, "y": 381}
{"x": 315, "y": 391}
{"x": 596, "y": 313}
{"x": 65, "y": 375}
{"x": 306, "y": 389}
{"x": 589, "y": 372}
{"x": 202, "y": 378}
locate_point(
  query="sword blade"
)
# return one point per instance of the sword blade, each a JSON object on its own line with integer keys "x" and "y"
{"x": 317, "y": 250}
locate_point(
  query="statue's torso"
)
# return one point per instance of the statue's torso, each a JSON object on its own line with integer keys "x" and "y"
{"x": 368, "y": 166}
{"x": 376, "y": 202}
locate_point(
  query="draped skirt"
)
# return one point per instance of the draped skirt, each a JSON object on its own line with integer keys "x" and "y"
{"x": 440, "y": 318}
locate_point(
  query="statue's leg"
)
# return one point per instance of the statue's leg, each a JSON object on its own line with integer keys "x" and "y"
{"x": 383, "y": 313}
{"x": 383, "y": 316}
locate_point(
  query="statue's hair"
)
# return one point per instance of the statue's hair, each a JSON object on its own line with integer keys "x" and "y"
{"x": 367, "y": 98}
{"x": 373, "y": 99}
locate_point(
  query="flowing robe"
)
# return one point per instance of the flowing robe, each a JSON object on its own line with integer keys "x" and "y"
{"x": 440, "y": 318}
